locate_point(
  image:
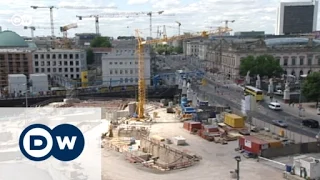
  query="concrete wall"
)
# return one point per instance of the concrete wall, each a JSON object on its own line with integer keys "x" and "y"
{"x": 296, "y": 137}
{"x": 311, "y": 147}
{"x": 167, "y": 156}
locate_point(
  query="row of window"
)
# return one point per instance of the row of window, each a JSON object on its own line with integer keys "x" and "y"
{"x": 56, "y": 63}
{"x": 300, "y": 60}
{"x": 60, "y": 70}
{"x": 126, "y": 80}
{"x": 121, "y": 63}
{"x": 125, "y": 71}
{"x": 58, "y": 56}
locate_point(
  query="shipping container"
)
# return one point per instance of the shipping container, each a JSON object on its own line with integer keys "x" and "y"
{"x": 234, "y": 120}
{"x": 194, "y": 125}
{"x": 252, "y": 144}
{"x": 210, "y": 128}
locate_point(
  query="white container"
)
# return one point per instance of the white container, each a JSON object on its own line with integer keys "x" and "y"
{"x": 179, "y": 140}
{"x": 39, "y": 83}
{"x": 17, "y": 83}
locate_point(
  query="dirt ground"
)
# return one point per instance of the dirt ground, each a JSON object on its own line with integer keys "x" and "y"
{"x": 218, "y": 161}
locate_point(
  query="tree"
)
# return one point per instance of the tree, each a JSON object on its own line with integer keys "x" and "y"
{"x": 311, "y": 87}
{"x": 178, "y": 50}
{"x": 100, "y": 41}
{"x": 264, "y": 65}
{"x": 90, "y": 56}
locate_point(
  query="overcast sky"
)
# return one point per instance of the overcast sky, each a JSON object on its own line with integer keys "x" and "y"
{"x": 194, "y": 15}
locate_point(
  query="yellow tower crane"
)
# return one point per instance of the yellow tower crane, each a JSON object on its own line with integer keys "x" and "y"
{"x": 64, "y": 30}
{"x": 164, "y": 39}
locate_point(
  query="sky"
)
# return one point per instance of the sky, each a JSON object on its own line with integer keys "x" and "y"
{"x": 194, "y": 16}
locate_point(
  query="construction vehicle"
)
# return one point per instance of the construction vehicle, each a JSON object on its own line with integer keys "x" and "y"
{"x": 64, "y": 30}
{"x": 164, "y": 39}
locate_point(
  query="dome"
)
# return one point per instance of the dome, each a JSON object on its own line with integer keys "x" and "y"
{"x": 11, "y": 39}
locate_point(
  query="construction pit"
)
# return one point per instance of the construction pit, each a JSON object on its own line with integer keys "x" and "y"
{"x": 140, "y": 145}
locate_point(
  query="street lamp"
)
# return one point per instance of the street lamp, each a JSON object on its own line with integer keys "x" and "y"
{"x": 238, "y": 159}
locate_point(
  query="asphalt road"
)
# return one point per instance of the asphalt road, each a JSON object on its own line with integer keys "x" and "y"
{"x": 217, "y": 93}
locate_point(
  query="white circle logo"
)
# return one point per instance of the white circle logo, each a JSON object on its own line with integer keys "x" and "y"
{"x": 41, "y": 152}
{"x": 21, "y": 20}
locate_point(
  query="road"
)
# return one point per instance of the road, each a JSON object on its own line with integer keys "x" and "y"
{"x": 216, "y": 92}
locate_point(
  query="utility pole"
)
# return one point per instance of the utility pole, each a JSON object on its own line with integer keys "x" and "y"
{"x": 238, "y": 159}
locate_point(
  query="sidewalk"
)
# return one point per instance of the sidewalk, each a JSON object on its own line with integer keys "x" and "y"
{"x": 305, "y": 113}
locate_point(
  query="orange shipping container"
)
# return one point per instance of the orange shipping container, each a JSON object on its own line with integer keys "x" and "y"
{"x": 275, "y": 144}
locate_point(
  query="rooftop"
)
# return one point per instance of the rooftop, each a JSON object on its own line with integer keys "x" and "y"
{"x": 59, "y": 50}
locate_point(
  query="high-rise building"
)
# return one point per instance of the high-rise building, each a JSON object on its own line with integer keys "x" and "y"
{"x": 297, "y": 17}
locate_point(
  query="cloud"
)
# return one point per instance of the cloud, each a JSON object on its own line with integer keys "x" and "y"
{"x": 135, "y": 2}
{"x": 194, "y": 15}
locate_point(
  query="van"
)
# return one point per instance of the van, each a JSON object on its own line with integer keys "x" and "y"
{"x": 275, "y": 106}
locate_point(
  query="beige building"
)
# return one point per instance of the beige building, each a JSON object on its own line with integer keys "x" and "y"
{"x": 295, "y": 55}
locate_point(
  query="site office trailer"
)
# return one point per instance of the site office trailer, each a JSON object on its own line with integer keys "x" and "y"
{"x": 253, "y": 144}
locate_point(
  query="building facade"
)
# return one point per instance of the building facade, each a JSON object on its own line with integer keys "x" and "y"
{"x": 15, "y": 56}
{"x": 120, "y": 66}
{"x": 297, "y": 17}
{"x": 69, "y": 63}
{"x": 295, "y": 59}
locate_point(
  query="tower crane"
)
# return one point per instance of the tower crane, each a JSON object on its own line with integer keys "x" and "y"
{"x": 33, "y": 28}
{"x": 64, "y": 30}
{"x": 179, "y": 24}
{"x": 110, "y": 15}
{"x": 65, "y": 7}
{"x": 164, "y": 39}
{"x": 227, "y": 21}
{"x": 150, "y": 14}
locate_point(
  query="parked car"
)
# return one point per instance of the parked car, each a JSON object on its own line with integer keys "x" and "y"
{"x": 280, "y": 123}
{"x": 311, "y": 123}
{"x": 274, "y": 106}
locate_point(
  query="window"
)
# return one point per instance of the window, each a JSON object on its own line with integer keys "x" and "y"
{"x": 121, "y": 80}
{"x": 115, "y": 62}
{"x": 48, "y": 56}
{"x": 82, "y": 56}
{"x": 72, "y": 76}
{"x": 285, "y": 61}
{"x": 130, "y": 62}
{"x": 42, "y": 63}
{"x": 60, "y": 69}
{"x": 65, "y": 56}
{"x": 116, "y": 71}
{"x": 120, "y": 71}
{"x": 53, "y": 56}
{"x": 78, "y": 76}
{"x": 126, "y": 71}
{"x": 77, "y": 56}
{"x": 36, "y": 63}
{"x": 71, "y": 63}
{"x": 77, "y": 70}
{"x": 136, "y": 62}
{"x": 60, "y": 63}
{"x": 120, "y": 63}
{"x": 131, "y": 71}
{"x": 131, "y": 80}
{"x": 54, "y": 70}
{"x": 110, "y": 71}
{"x": 71, "y": 69}
{"x": 66, "y": 75}
{"x": 293, "y": 61}
{"x": 48, "y": 70}
{"x": 309, "y": 61}
{"x": 42, "y": 70}
{"x": 301, "y": 60}
{"x": 59, "y": 56}
{"x": 126, "y": 80}
{"x": 77, "y": 63}
{"x": 42, "y": 56}
{"x": 70, "y": 56}
{"x": 65, "y": 63}
{"x": 48, "y": 63}
{"x": 65, "y": 69}
{"x": 54, "y": 63}
{"x": 37, "y": 70}
{"x": 36, "y": 56}
{"x": 110, "y": 63}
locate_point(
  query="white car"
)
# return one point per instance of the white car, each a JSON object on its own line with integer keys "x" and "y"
{"x": 275, "y": 106}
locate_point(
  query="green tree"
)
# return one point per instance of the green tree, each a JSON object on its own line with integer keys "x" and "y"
{"x": 90, "y": 56}
{"x": 178, "y": 50}
{"x": 100, "y": 41}
{"x": 264, "y": 65}
{"x": 311, "y": 87}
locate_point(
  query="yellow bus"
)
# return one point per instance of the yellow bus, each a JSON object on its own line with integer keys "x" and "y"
{"x": 257, "y": 93}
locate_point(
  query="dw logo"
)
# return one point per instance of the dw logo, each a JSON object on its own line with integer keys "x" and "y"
{"x": 38, "y": 142}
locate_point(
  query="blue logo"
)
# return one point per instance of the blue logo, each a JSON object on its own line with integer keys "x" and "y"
{"x": 38, "y": 142}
